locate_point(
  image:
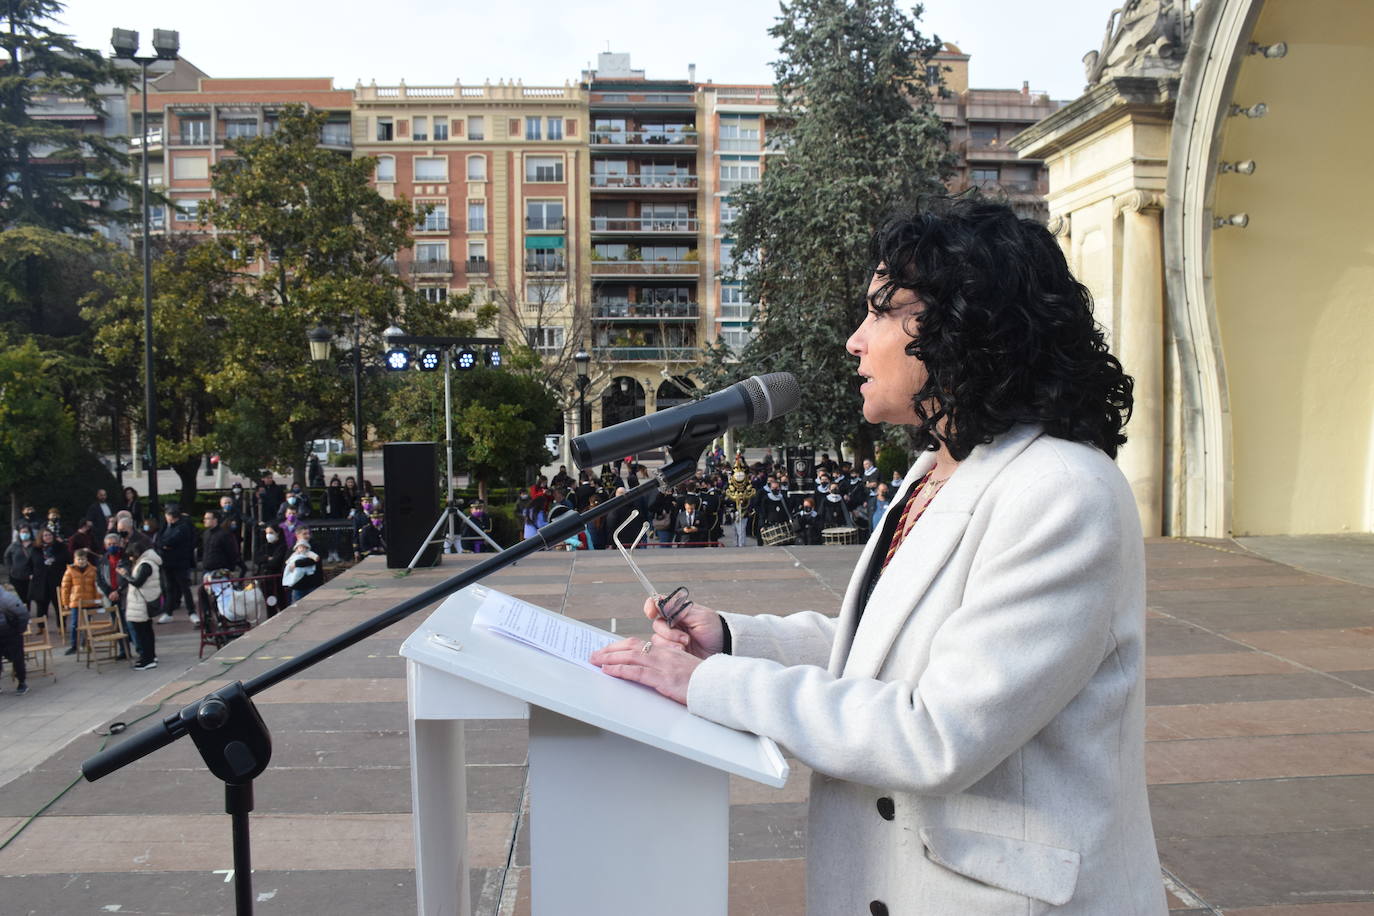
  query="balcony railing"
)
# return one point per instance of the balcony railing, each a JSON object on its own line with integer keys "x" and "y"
{"x": 740, "y": 145}
{"x": 652, "y": 311}
{"x": 545, "y": 265}
{"x": 428, "y": 267}
{"x": 477, "y": 266}
{"x": 154, "y": 139}
{"x": 195, "y": 138}
{"x": 645, "y": 268}
{"x": 645, "y": 182}
{"x": 671, "y": 224}
{"x": 644, "y": 138}
{"x": 647, "y": 354}
{"x": 732, "y": 184}
{"x": 638, "y": 99}
{"x": 546, "y": 223}
{"x": 336, "y": 138}
{"x": 389, "y": 265}
{"x": 433, "y": 224}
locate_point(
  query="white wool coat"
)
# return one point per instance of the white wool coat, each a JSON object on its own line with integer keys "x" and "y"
{"x": 978, "y": 737}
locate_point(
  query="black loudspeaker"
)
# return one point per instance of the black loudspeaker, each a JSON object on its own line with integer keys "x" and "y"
{"x": 411, "y": 506}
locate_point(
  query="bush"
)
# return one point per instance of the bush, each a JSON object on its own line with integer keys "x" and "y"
{"x": 342, "y": 460}
{"x": 892, "y": 460}
{"x": 74, "y": 491}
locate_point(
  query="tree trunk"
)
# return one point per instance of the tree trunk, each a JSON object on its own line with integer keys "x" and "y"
{"x": 863, "y": 445}
{"x": 482, "y": 487}
{"x": 186, "y": 473}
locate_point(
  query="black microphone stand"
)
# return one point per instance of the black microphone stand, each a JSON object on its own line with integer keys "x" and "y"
{"x": 230, "y": 734}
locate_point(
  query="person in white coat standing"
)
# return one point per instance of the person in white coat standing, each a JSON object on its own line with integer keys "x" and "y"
{"x": 975, "y": 715}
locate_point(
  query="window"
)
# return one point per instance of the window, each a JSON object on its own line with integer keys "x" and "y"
{"x": 195, "y": 131}
{"x": 477, "y": 216}
{"x": 430, "y": 252}
{"x": 431, "y": 168}
{"x": 739, "y": 134}
{"x": 610, "y": 251}
{"x": 547, "y": 260}
{"x": 727, "y": 255}
{"x": 186, "y": 211}
{"x": 420, "y": 128}
{"x": 384, "y": 128}
{"x": 729, "y": 211}
{"x": 733, "y": 305}
{"x": 543, "y": 168}
{"x": 738, "y": 171}
{"x": 932, "y": 74}
{"x": 440, "y": 128}
{"x": 545, "y": 339}
{"x": 477, "y": 168}
{"x": 608, "y": 130}
{"x": 532, "y": 128}
{"x": 736, "y": 338}
{"x": 544, "y": 214}
{"x": 337, "y": 133}
{"x": 555, "y": 128}
{"x": 543, "y": 293}
{"x": 436, "y": 294}
{"x": 434, "y": 221}
{"x": 190, "y": 167}
{"x": 979, "y": 176}
{"x": 386, "y": 168}
{"x": 477, "y": 129}
{"x": 477, "y": 251}
{"x": 663, "y": 252}
{"x": 983, "y": 134}
{"x": 235, "y": 130}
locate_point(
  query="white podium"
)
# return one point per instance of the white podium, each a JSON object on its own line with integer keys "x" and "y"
{"x": 629, "y": 793}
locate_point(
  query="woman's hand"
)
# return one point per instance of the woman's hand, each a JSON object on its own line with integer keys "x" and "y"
{"x": 698, "y": 629}
{"x": 659, "y": 663}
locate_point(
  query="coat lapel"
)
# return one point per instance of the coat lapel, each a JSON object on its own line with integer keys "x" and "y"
{"x": 921, "y": 556}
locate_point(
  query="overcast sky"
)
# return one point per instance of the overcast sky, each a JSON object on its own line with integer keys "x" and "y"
{"x": 431, "y": 42}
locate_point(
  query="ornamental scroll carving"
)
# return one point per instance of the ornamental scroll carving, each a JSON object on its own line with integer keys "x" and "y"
{"x": 1144, "y": 38}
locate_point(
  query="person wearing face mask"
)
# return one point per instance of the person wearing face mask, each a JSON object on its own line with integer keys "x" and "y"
{"x": 303, "y": 572}
{"x": 132, "y": 505}
{"x": 272, "y": 562}
{"x": 29, "y": 516}
{"x": 372, "y": 540}
{"x": 59, "y": 531}
{"x": 176, "y": 543}
{"x": 333, "y": 505}
{"x": 770, "y": 509}
{"x": 739, "y": 495}
{"x": 80, "y": 591}
{"x": 19, "y": 558}
{"x": 49, "y": 562}
{"x": 110, "y": 581}
{"x": 296, "y": 501}
{"x": 143, "y": 594}
{"x": 478, "y": 513}
{"x": 834, "y": 512}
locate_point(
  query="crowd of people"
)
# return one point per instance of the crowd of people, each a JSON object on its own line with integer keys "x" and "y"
{"x": 149, "y": 567}
{"x": 747, "y": 504}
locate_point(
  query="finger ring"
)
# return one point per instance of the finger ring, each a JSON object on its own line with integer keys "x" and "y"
{"x": 644, "y": 649}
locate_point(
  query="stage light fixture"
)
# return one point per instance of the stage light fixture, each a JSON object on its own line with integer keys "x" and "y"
{"x": 494, "y": 357}
{"x": 464, "y": 359}
{"x": 430, "y": 360}
{"x": 398, "y": 359}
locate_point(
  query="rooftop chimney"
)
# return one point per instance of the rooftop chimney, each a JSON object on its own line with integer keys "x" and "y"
{"x": 691, "y": 73}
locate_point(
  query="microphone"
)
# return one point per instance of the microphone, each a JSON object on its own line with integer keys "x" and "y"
{"x": 754, "y": 400}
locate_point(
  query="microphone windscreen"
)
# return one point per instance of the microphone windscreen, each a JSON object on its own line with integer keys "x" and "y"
{"x": 776, "y": 394}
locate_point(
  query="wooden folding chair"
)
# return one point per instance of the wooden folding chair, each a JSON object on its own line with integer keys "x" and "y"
{"x": 101, "y": 634}
{"x": 38, "y": 647}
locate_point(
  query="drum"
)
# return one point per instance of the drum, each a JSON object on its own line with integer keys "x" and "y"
{"x": 839, "y": 535}
{"x": 777, "y": 535}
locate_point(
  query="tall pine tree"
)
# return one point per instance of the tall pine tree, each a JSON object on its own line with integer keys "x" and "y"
{"x": 861, "y": 138}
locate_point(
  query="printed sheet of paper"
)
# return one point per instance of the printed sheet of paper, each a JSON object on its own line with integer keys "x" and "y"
{"x": 534, "y": 626}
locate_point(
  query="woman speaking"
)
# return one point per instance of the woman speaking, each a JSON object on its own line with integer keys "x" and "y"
{"x": 975, "y": 715}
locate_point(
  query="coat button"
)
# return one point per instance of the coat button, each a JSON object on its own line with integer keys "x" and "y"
{"x": 878, "y": 908}
{"x": 886, "y": 809}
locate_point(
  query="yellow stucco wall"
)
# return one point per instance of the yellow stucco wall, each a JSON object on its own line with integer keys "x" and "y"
{"x": 1295, "y": 290}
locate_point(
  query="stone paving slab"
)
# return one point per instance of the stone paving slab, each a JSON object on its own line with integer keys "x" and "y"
{"x": 1260, "y": 754}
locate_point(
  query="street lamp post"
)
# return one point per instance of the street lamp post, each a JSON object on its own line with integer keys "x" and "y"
{"x": 581, "y": 359}
{"x": 320, "y": 340}
{"x": 166, "y": 44}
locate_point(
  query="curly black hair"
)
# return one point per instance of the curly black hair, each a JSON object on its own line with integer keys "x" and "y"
{"x": 1005, "y": 332}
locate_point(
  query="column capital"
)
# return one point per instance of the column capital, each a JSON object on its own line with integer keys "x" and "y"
{"x": 1138, "y": 201}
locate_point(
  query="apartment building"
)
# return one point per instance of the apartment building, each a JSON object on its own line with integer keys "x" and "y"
{"x": 503, "y": 170}
{"x": 192, "y": 118}
{"x": 980, "y": 123}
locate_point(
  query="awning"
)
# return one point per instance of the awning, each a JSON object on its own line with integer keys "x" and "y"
{"x": 543, "y": 241}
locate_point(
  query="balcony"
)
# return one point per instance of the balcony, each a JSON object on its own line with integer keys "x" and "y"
{"x": 647, "y": 354}
{"x": 154, "y": 139}
{"x": 646, "y": 311}
{"x": 644, "y": 182}
{"x": 477, "y": 267}
{"x": 194, "y": 138}
{"x": 430, "y": 268}
{"x": 736, "y": 311}
{"x": 433, "y": 224}
{"x": 645, "y": 268}
{"x": 546, "y": 266}
{"x": 338, "y": 139}
{"x": 653, "y": 225}
{"x": 652, "y": 139}
{"x": 546, "y": 223}
{"x": 643, "y": 100}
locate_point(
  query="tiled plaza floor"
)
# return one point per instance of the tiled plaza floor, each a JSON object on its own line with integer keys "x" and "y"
{"x": 1261, "y": 752}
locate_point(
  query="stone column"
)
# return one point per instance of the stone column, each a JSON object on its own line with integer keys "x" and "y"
{"x": 1142, "y": 352}
{"x": 136, "y": 450}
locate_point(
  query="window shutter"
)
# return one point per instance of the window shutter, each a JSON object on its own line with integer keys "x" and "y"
{"x": 456, "y": 128}
{"x": 514, "y": 130}
{"x": 570, "y": 127}
{"x": 403, "y": 127}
